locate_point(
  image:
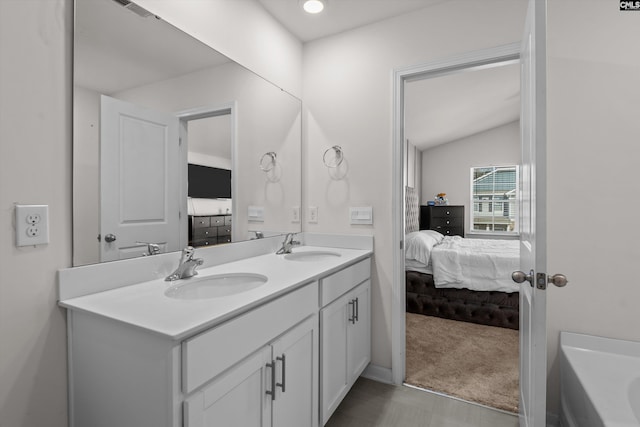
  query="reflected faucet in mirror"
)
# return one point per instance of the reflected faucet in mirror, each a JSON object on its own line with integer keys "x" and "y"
{"x": 288, "y": 244}
{"x": 152, "y": 248}
{"x": 187, "y": 266}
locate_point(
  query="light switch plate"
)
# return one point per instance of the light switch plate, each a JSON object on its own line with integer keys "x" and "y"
{"x": 32, "y": 225}
{"x": 361, "y": 215}
{"x": 255, "y": 213}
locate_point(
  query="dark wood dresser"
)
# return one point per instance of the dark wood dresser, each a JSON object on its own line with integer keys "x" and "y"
{"x": 209, "y": 230}
{"x": 448, "y": 220}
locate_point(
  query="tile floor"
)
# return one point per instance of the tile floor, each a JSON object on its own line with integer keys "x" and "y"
{"x": 374, "y": 404}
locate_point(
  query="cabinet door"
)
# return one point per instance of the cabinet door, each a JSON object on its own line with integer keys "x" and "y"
{"x": 359, "y": 332}
{"x": 236, "y": 399}
{"x": 333, "y": 374}
{"x": 296, "y": 360}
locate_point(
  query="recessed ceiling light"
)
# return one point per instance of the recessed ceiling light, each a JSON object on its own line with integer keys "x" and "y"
{"x": 313, "y": 6}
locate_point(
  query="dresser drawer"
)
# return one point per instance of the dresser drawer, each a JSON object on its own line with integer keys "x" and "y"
{"x": 210, "y": 353}
{"x": 217, "y": 220}
{"x": 227, "y": 220}
{"x": 450, "y": 231}
{"x": 223, "y": 239}
{"x": 201, "y": 222}
{"x": 224, "y": 230}
{"x": 447, "y": 212}
{"x": 203, "y": 233}
{"x": 446, "y": 222}
{"x": 210, "y": 241}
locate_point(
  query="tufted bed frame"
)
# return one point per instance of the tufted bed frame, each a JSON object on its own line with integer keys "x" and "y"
{"x": 491, "y": 308}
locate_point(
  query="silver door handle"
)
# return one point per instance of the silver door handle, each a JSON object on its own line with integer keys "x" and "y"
{"x": 272, "y": 392}
{"x": 520, "y": 277}
{"x": 284, "y": 370}
{"x": 110, "y": 238}
{"x": 352, "y": 319}
{"x": 559, "y": 280}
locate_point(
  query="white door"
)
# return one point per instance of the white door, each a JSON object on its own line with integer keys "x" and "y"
{"x": 296, "y": 361}
{"x": 334, "y": 374}
{"x": 140, "y": 178}
{"x": 359, "y": 332}
{"x": 533, "y": 348}
{"x": 236, "y": 399}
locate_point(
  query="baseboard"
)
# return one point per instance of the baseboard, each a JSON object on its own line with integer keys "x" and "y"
{"x": 378, "y": 373}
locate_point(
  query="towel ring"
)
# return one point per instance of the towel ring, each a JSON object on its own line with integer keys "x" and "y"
{"x": 268, "y": 161}
{"x": 333, "y": 157}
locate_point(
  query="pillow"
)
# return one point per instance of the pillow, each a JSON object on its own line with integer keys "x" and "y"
{"x": 433, "y": 233}
{"x": 418, "y": 245}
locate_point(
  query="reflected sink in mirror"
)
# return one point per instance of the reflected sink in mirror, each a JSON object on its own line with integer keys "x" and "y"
{"x": 216, "y": 286}
{"x": 311, "y": 256}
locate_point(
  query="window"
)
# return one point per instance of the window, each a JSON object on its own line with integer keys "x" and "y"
{"x": 494, "y": 197}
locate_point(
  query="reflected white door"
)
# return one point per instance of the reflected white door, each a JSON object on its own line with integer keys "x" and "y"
{"x": 140, "y": 179}
{"x": 533, "y": 345}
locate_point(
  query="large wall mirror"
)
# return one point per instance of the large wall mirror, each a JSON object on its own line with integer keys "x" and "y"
{"x": 174, "y": 143}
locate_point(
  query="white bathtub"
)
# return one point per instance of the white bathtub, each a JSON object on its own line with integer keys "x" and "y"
{"x": 599, "y": 381}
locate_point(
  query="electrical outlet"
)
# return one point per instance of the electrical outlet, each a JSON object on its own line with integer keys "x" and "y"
{"x": 313, "y": 214}
{"x": 32, "y": 225}
{"x": 295, "y": 214}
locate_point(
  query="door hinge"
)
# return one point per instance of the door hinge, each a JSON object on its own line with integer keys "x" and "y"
{"x": 180, "y": 141}
{"x": 541, "y": 281}
{"x": 401, "y": 244}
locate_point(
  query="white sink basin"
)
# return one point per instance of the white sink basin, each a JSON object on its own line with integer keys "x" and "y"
{"x": 217, "y": 286}
{"x": 311, "y": 256}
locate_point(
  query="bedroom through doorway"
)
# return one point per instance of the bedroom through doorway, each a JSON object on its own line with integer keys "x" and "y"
{"x": 462, "y": 151}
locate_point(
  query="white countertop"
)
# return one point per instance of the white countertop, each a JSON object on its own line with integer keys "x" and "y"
{"x": 145, "y": 305}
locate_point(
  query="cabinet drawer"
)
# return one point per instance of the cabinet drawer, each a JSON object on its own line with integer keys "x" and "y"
{"x": 201, "y": 222}
{"x": 331, "y": 287}
{"x": 447, "y": 211}
{"x": 203, "y": 233}
{"x": 211, "y": 352}
{"x": 450, "y": 231}
{"x": 224, "y": 230}
{"x": 447, "y": 222}
{"x": 204, "y": 242}
{"x": 224, "y": 239}
{"x": 217, "y": 220}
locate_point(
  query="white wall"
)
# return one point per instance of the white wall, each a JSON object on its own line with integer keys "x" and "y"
{"x": 446, "y": 168}
{"x": 593, "y": 128}
{"x": 241, "y": 30}
{"x": 35, "y": 167}
{"x": 347, "y": 91}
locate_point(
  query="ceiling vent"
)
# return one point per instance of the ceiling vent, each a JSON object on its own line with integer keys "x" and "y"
{"x": 138, "y": 10}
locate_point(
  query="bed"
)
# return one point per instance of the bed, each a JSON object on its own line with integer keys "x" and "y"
{"x": 460, "y": 278}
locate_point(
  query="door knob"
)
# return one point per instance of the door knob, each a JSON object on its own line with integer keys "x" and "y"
{"x": 520, "y": 277}
{"x": 110, "y": 238}
{"x": 559, "y": 280}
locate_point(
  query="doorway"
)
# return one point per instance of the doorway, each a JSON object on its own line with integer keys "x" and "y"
{"x": 208, "y": 148}
{"x": 477, "y": 61}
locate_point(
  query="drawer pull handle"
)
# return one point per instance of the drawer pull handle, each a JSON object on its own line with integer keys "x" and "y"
{"x": 272, "y": 392}
{"x": 352, "y": 319}
{"x": 284, "y": 369}
{"x": 357, "y": 309}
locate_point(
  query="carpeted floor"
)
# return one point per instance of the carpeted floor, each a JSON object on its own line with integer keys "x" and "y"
{"x": 473, "y": 362}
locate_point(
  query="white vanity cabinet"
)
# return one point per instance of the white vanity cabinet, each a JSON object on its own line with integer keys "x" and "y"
{"x": 276, "y": 386}
{"x": 345, "y": 325}
{"x": 122, "y": 376}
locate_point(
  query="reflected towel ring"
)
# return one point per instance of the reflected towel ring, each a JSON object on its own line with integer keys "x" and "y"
{"x": 333, "y": 157}
{"x": 268, "y": 161}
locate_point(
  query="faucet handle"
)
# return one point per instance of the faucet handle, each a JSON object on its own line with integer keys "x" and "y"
{"x": 187, "y": 253}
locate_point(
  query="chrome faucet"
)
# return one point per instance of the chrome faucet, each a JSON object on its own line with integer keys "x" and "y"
{"x": 187, "y": 266}
{"x": 152, "y": 248}
{"x": 287, "y": 244}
